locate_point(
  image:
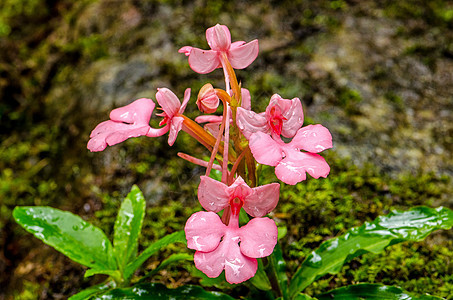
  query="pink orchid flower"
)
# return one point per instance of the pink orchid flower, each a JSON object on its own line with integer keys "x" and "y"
{"x": 125, "y": 122}
{"x": 172, "y": 111}
{"x": 282, "y": 117}
{"x": 132, "y": 120}
{"x": 218, "y": 246}
{"x": 257, "y": 202}
{"x": 239, "y": 54}
{"x": 291, "y": 164}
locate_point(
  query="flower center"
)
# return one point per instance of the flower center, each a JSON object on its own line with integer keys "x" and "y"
{"x": 236, "y": 205}
{"x": 276, "y": 120}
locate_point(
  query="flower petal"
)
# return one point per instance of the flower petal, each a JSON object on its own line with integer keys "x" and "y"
{"x": 294, "y": 118}
{"x": 242, "y": 56}
{"x": 136, "y": 112}
{"x": 203, "y": 61}
{"x": 168, "y": 101}
{"x": 209, "y": 119}
{"x": 228, "y": 256}
{"x": 212, "y": 194}
{"x": 239, "y": 189}
{"x": 175, "y": 127}
{"x": 185, "y": 101}
{"x": 292, "y": 168}
{"x": 218, "y": 37}
{"x": 263, "y": 200}
{"x": 312, "y": 138}
{"x": 258, "y": 237}
{"x": 250, "y": 122}
{"x": 264, "y": 149}
{"x": 246, "y": 99}
{"x": 186, "y": 50}
{"x": 204, "y": 230}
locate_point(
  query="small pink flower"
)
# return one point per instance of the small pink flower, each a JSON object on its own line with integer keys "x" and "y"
{"x": 291, "y": 164}
{"x": 207, "y": 100}
{"x": 218, "y": 246}
{"x": 257, "y": 202}
{"x": 172, "y": 111}
{"x": 282, "y": 117}
{"x": 239, "y": 53}
{"x": 125, "y": 122}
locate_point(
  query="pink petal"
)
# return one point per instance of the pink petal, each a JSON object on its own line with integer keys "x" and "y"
{"x": 218, "y": 37}
{"x": 138, "y": 111}
{"x": 292, "y": 168}
{"x": 186, "y": 50}
{"x": 239, "y": 189}
{"x": 246, "y": 99}
{"x": 258, "y": 237}
{"x": 204, "y": 231}
{"x": 168, "y": 101}
{"x": 228, "y": 256}
{"x": 242, "y": 56}
{"x": 264, "y": 149}
{"x": 185, "y": 101}
{"x": 212, "y": 194}
{"x": 175, "y": 127}
{"x": 155, "y": 132}
{"x": 312, "y": 138}
{"x": 250, "y": 122}
{"x": 209, "y": 119}
{"x": 294, "y": 118}
{"x": 263, "y": 200}
{"x": 203, "y": 61}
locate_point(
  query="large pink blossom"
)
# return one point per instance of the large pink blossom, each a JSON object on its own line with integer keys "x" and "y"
{"x": 133, "y": 119}
{"x": 125, "y": 122}
{"x": 239, "y": 54}
{"x": 290, "y": 163}
{"x": 257, "y": 202}
{"x": 282, "y": 117}
{"x": 218, "y": 245}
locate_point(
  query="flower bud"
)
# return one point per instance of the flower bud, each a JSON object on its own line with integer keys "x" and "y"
{"x": 207, "y": 101}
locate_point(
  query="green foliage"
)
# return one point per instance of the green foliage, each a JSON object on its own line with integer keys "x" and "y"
{"x": 371, "y": 292}
{"x": 412, "y": 225}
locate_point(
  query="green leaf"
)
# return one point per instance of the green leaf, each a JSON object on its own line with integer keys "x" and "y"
{"x": 158, "y": 291}
{"x": 176, "y": 237}
{"x": 69, "y": 234}
{"x": 92, "y": 291}
{"x": 371, "y": 292}
{"x": 260, "y": 280}
{"x": 115, "y": 274}
{"x": 128, "y": 225}
{"x": 396, "y": 227}
{"x": 278, "y": 264}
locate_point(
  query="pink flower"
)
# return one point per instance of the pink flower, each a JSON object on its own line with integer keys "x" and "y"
{"x": 291, "y": 164}
{"x": 132, "y": 120}
{"x": 207, "y": 100}
{"x": 239, "y": 54}
{"x": 282, "y": 117}
{"x": 257, "y": 202}
{"x": 172, "y": 111}
{"x": 125, "y": 122}
{"x": 218, "y": 246}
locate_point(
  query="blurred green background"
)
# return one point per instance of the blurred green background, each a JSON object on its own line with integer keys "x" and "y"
{"x": 378, "y": 74}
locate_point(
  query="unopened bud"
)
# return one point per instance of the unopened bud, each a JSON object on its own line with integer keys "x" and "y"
{"x": 207, "y": 100}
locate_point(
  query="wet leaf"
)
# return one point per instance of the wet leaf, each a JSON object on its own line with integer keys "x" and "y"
{"x": 69, "y": 234}
{"x": 157, "y": 291}
{"x": 371, "y": 292}
{"x": 128, "y": 225}
{"x": 260, "y": 280}
{"x": 396, "y": 227}
{"x": 279, "y": 264}
{"x": 176, "y": 237}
